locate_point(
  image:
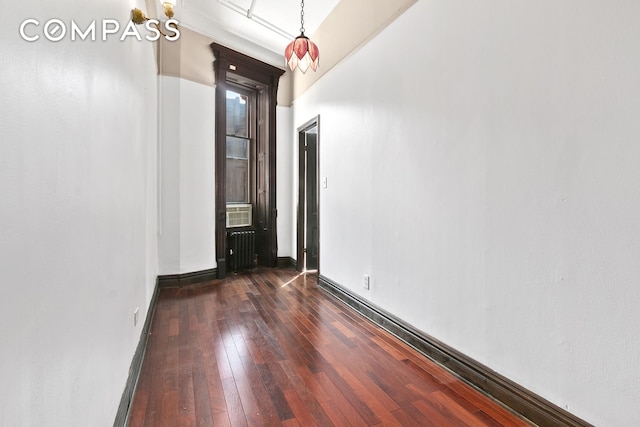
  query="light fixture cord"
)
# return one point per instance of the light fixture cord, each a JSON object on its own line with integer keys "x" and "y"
{"x": 302, "y": 17}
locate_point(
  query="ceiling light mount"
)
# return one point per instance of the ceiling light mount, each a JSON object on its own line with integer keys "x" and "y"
{"x": 302, "y": 52}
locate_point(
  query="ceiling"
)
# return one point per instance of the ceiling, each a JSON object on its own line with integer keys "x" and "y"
{"x": 273, "y": 23}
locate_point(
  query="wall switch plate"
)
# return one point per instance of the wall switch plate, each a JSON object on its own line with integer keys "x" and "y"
{"x": 136, "y": 314}
{"x": 367, "y": 281}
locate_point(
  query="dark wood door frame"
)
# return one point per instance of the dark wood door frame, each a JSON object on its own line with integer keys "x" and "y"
{"x": 302, "y": 170}
{"x": 228, "y": 63}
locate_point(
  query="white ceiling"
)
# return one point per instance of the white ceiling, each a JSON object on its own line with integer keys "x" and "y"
{"x": 273, "y": 23}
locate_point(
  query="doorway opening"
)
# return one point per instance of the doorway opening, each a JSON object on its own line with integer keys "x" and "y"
{"x": 308, "y": 231}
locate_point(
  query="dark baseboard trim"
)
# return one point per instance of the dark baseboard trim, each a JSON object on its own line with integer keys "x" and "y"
{"x": 522, "y": 401}
{"x": 222, "y": 268}
{"x": 186, "y": 279}
{"x": 286, "y": 262}
{"x": 136, "y": 365}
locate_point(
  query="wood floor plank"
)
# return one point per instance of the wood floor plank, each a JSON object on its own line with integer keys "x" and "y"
{"x": 346, "y": 416}
{"x": 236, "y": 412}
{"x": 304, "y": 395}
{"x": 169, "y": 409}
{"x": 275, "y": 392}
{"x": 434, "y": 415}
{"x": 206, "y": 340}
{"x": 365, "y": 394}
{"x": 186, "y": 398}
{"x": 300, "y": 410}
{"x": 221, "y": 419}
{"x": 351, "y": 396}
{"x": 321, "y": 392}
{"x": 252, "y": 409}
{"x": 405, "y": 419}
{"x": 202, "y": 400}
{"x": 138, "y": 408}
{"x": 488, "y": 406}
{"x": 270, "y": 348}
{"x": 461, "y": 413}
{"x": 338, "y": 402}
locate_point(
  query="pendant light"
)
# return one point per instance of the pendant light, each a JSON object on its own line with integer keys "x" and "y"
{"x": 302, "y": 52}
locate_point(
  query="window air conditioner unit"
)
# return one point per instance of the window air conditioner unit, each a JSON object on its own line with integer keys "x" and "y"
{"x": 239, "y": 215}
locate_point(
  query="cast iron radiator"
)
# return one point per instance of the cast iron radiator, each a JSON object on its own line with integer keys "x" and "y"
{"x": 242, "y": 249}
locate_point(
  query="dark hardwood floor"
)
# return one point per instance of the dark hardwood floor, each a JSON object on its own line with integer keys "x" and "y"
{"x": 271, "y": 348}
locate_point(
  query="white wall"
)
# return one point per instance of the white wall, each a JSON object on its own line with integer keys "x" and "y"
{"x": 187, "y": 241}
{"x": 482, "y": 162}
{"x": 78, "y": 246}
{"x": 284, "y": 182}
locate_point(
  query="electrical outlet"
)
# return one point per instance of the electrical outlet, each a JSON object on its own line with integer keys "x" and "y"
{"x": 367, "y": 281}
{"x": 136, "y": 314}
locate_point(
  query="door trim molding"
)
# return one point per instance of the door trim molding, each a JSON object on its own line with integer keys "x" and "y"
{"x": 314, "y": 121}
{"x": 228, "y": 61}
